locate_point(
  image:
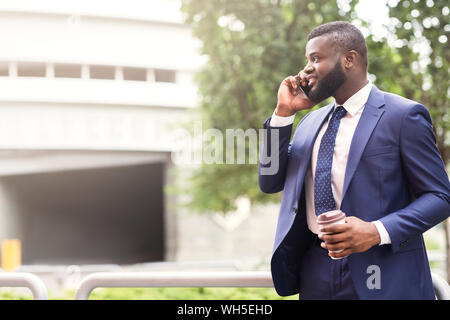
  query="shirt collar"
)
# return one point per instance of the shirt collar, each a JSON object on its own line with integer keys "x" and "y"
{"x": 357, "y": 101}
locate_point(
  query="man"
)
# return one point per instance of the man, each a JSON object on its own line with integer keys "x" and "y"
{"x": 371, "y": 154}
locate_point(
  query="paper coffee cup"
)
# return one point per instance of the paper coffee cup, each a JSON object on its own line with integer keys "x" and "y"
{"x": 330, "y": 218}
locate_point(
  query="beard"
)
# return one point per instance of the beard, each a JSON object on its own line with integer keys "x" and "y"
{"x": 328, "y": 85}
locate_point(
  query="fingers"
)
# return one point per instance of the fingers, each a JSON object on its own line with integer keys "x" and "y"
{"x": 337, "y": 251}
{"x": 302, "y": 78}
{"x": 337, "y": 228}
{"x": 293, "y": 81}
{"x": 342, "y": 254}
{"x": 335, "y": 238}
{"x": 293, "y": 84}
{"x": 297, "y": 83}
{"x": 335, "y": 246}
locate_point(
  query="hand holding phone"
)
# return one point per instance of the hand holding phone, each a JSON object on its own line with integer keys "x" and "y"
{"x": 305, "y": 88}
{"x": 292, "y": 96}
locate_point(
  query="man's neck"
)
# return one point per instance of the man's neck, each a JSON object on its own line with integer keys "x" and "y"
{"x": 348, "y": 89}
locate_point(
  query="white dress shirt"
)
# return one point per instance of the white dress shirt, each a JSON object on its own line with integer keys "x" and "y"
{"x": 354, "y": 106}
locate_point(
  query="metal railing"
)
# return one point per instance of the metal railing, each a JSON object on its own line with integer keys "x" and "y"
{"x": 167, "y": 279}
{"x": 199, "y": 279}
{"x": 27, "y": 280}
{"x": 441, "y": 287}
{"x": 172, "y": 279}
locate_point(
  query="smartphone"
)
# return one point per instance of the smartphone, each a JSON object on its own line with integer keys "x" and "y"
{"x": 305, "y": 88}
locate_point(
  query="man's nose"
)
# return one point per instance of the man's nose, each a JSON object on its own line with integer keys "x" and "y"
{"x": 308, "y": 68}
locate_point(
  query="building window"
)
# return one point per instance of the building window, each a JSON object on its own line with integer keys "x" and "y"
{"x": 31, "y": 69}
{"x": 63, "y": 70}
{"x": 134, "y": 74}
{"x": 102, "y": 72}
{"x": 164, "y": 75}
{"x": 4, "y": 69}
{"x": 77, "y": 71}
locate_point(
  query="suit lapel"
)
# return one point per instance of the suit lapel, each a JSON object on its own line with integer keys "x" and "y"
{"x": 369, "y": 118}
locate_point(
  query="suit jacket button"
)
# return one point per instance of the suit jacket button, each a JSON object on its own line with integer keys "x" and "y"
{"x": 294, "y": 210}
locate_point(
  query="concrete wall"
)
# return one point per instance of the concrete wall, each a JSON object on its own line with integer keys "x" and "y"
{"x": 105, "y": 215}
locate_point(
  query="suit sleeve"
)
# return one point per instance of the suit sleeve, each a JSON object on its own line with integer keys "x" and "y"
{"x": 273, "y": 157}
{"x": 427, "y": 179}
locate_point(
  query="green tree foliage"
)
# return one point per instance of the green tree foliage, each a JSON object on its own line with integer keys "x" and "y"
{"x": 251, "y": 47}
{"x": 413, "y": 60}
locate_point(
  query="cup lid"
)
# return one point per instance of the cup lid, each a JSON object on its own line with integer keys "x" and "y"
{"x": 330, "y": 217}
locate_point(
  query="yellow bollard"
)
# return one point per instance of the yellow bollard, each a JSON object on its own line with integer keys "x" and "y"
{"x": 11, "y": 254}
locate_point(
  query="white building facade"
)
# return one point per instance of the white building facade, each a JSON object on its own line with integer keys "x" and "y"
{"x": 90, "y": 93}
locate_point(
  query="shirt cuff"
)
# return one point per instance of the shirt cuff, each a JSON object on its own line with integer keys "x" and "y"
{"x": 277, "y": 121}
{"x": 384, "y": 235}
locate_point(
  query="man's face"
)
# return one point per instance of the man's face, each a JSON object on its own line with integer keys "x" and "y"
{"x": 324, "y": 69}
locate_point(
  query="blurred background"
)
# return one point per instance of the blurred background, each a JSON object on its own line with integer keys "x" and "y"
{"x": 91, "y": 93}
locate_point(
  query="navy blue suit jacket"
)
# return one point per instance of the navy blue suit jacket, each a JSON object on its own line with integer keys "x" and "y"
{"x": 394, "y": 174}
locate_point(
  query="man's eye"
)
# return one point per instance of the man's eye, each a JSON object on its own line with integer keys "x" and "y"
{"x": 315, "y": 58}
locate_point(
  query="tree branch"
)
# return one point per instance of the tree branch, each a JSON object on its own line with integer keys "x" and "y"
{"x": 293, "y": 24}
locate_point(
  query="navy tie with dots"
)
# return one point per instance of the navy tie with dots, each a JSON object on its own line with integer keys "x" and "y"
{"x": 323, "y": 195}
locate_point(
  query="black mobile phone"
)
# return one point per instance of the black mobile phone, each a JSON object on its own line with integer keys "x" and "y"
{"x": 305, "y": 88}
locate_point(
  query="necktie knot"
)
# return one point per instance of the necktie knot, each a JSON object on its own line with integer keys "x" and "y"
{"x": 339, "y": 112}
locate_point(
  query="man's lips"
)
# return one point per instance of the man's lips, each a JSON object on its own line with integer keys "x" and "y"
{"x": 311, "y": 82}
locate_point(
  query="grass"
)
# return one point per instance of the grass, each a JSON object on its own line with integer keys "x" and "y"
{"x": 186, "y": 294}
{"x": 163, "y": 294}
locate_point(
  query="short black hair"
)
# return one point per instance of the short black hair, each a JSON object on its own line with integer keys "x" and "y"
{"x": 345, "y": 37}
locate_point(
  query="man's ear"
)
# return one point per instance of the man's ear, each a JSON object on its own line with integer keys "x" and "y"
{"x": 350, "y": 59}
